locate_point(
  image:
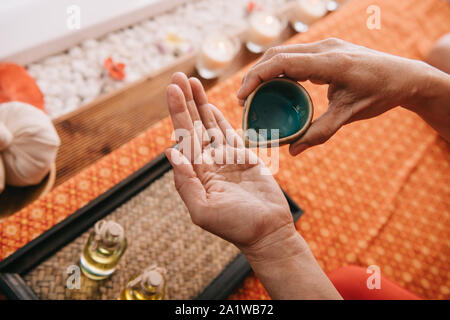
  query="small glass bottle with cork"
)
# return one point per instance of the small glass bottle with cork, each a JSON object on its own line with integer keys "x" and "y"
{"x": 150, "y": 285}
{"x": 104, "y": 248}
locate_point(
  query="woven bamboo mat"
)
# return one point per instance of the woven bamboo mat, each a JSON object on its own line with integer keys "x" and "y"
{"x": 159, "y": 230}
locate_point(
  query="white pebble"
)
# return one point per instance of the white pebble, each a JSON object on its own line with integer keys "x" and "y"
{"x": 72, "y": 103}
{"x": 68, "y": 90}
{"x": 77, "y": 76}
{"x": 89, "y": 43}
{"x": 76, "y": 52}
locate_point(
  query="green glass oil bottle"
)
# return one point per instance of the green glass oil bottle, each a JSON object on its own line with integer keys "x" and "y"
{"x": 104, "y": 248}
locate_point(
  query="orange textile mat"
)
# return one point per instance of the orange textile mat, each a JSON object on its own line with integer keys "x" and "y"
{"x": 377, "y": 193}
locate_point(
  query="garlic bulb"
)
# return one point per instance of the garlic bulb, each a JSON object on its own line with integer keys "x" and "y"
{"x": 28, "y": 143}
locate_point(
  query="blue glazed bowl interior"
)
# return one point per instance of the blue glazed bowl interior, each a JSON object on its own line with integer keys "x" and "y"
{"x": 279, "y": 104}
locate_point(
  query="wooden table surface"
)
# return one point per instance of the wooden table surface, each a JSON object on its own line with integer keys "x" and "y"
{"x": 95, "y": 130}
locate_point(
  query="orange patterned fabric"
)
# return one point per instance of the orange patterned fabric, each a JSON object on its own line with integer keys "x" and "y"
{"x": 376, "y": 193}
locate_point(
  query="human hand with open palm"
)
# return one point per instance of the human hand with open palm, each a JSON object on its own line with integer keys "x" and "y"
{"x": 223, "y": 184}
{"x": 228, "y": 192}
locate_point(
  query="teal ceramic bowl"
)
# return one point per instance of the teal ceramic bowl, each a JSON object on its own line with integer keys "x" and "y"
{"x": 281, "y": 104}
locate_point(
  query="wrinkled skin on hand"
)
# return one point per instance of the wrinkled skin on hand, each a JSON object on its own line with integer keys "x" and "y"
{"x": 363, "y": 83}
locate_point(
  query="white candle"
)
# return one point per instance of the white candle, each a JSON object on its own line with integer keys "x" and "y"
{"x": 309, "y": 11}
{"x": 217, "y": 52}
{"x": 264, "y": 28}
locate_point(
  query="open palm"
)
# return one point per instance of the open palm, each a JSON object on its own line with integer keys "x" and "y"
{"x": 222, "y": 183}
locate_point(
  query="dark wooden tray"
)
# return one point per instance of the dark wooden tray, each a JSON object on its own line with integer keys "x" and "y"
{"x": 23, "y": 260}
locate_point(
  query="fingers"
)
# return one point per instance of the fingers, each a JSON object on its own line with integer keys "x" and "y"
{"x": 300, "y": 67}
{"x": 178, "y": 109}
{"x": 182, "y": 122}
{"x": 196, "y": 108}
{"x": 311, "y": 47}
{"x": 188, "y": 185}
{"x": 306, "y": 64}
{"x": 204, "y": 108}
{"x": 321, "y": 130}
{"x": 263, "y": 71}
{"x": 231, "y": 136}
{"x": 202, "y": 104}
{"x": 182, "y": 81}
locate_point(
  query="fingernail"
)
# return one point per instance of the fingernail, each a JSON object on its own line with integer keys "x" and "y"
{"x": 295, "y": 150}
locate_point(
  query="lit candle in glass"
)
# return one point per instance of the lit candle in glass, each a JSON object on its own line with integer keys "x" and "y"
{"x": 306, "y": 12}
{"x": 264, "y": 30}
{"x": 216, "y": 54}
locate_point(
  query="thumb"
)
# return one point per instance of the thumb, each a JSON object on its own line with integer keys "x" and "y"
{"x": 187, "y": 183}
{"x": 320, "y": 130}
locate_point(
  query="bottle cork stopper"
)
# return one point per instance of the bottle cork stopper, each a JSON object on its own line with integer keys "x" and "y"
{"x": 109, "y": 233}
{"x": 115, "y": 229}
{"x": 154, "y": 278}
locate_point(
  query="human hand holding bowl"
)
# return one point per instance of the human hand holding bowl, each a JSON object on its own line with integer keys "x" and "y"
{"x": 226, "y": 193}
{"x": 363, "y": 83}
